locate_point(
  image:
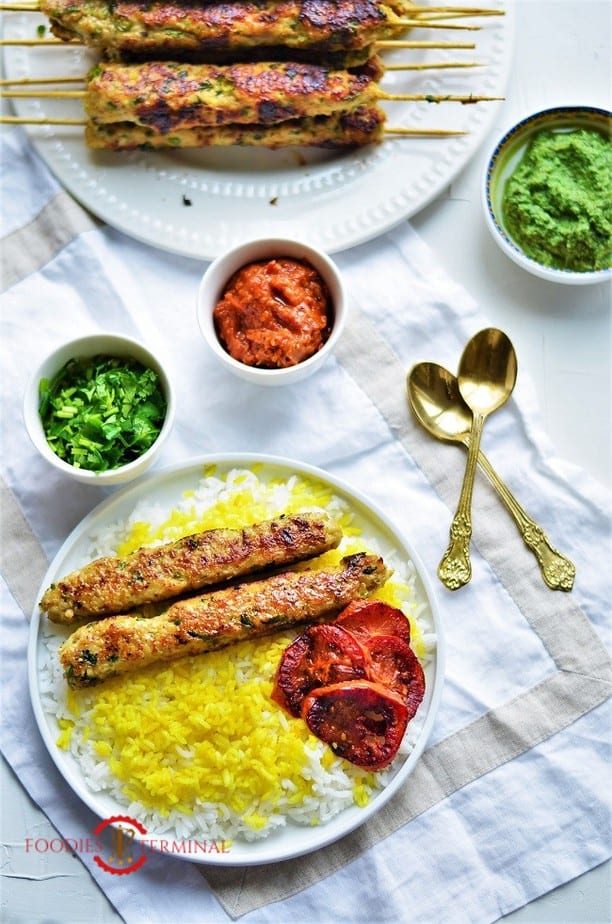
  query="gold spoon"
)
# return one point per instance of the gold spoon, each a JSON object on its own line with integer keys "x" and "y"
{"x": 486, "y": 377}
{"x": 435, "y": 401}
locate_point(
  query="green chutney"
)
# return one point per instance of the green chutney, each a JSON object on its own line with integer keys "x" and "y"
{"x": 557, "y": 204}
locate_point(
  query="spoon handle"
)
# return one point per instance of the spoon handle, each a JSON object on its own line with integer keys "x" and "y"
{"x": 455, "y": 569}
{"x": 558, "y": 571}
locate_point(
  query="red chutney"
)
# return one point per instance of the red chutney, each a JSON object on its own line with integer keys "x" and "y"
{"x": 274, "y": 313}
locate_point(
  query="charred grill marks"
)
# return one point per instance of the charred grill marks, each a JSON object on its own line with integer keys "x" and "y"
{"x": 168, "y": 29}
{"x": 360, "y": 127}
{"x": 113, "y": 585}
{"x": 168, "y": 96}
{"x": 204, "y": 623}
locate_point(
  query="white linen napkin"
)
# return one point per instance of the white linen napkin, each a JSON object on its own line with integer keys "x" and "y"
{"x": 510, "y": 799}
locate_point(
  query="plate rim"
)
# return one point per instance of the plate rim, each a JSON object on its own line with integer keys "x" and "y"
{"x": 233, "y": 460}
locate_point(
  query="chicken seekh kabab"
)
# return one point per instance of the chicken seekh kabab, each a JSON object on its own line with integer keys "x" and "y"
{"x": 171, "y": 104}
{"x": 119, "y": 644}
{"x": 160, "y": 29}
{"x": 168, "y": 96}
{"x": 162, "y": 104}
{"x": 356, "y": 128}
{"x": 118, "y": 584}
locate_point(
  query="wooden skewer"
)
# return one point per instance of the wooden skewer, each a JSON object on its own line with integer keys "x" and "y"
{"x": 26, "y": 120}
{"x": 383, "y": 43}
{"x": 460, "y": 10}
{"x": 408, "y": 43}
{"x": 422, "y": 24}
{"x": 389, "y": 97}
{"x": 38, "y": 81}
{"x": 42, "y": 94}
{"x": 31, "y": 81}
{"x": 430, "y": 13}
{"x": 435, "y": 98}
{"x": 399, "y": 130}
{"x": 37, "y": 42}
{"x": 415, "y": 10}
{"x": 425, "y": 67}
{"x": 401, "y": 23}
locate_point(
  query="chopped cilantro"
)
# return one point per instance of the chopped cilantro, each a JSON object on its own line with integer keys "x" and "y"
{"x": 204, "y": 638}
{"x": 101, "y": 413}
{"x": 90, "y": 657}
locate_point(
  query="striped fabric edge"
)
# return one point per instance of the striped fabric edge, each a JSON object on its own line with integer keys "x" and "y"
{"x": 582, "y": 682}
{"x": 29, "y": 248}
{"x": 22, "y": 560}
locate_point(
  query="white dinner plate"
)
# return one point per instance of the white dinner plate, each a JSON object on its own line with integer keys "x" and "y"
{"x": 200, "y": 202}
{"x": 166, "y": 489}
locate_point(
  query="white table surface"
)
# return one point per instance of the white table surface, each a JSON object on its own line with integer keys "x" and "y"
{"x": 563, "y": 339}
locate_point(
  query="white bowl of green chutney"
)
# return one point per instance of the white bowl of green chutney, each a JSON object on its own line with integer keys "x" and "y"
{"x": 547, "y": 194}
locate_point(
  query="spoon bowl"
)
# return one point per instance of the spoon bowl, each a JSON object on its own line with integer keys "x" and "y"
{"x": 436, "y": 402}
{"x": 487, "y": 371}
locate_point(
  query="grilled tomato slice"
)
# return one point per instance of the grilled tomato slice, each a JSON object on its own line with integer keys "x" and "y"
{"x": 364, "y": 618}
{"x": 394, "y": 664}
{"x": 322, "y": 655}
{"x": 360, "y": 720}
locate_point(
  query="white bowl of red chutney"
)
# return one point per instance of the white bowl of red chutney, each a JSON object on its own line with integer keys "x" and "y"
{"x": 272, "y": 309}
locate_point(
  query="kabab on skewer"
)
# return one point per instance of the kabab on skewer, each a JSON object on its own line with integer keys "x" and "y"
{"x": 228, "y": 28}
{"x": 356, "y": 128}
{"x": 320, "y": 55}
{"x": 417, "y": 66}
{"x": 273, "y": 103}
{"x": 168, "y": 98}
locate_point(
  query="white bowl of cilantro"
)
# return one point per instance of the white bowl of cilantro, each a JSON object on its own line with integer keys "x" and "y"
{"x": 99, "y": 409}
